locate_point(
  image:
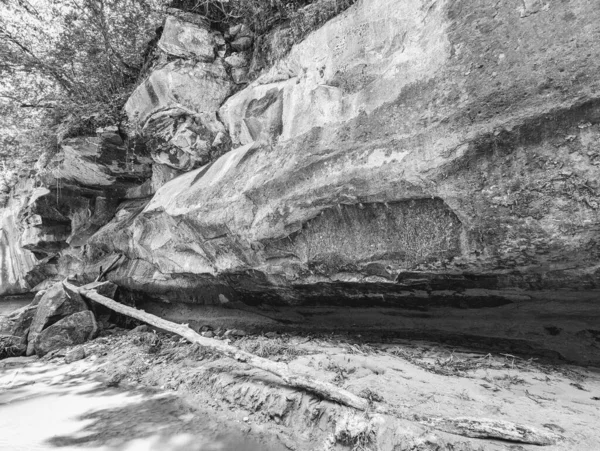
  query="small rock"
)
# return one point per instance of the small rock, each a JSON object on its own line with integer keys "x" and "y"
{"x": 246, "y": 419}
{"x": 114, "y": 380}
{"x": 235, "y": 333}
{"x": 237, "y": 60}
{"x": 139, "y": 329}
{"x": 75, "y": 354}
{"x": 208, "y": 334}
{"x": 219, "y": 331}
{"x": 241, "y": 44}
{"x": 271, "y": 334}
{"x": 186, "y": 417}
{"x": 239, "y": 75}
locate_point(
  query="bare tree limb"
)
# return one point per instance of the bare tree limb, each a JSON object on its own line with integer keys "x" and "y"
{"x": 281, "y": 370}
{"x": 108, "y": 269}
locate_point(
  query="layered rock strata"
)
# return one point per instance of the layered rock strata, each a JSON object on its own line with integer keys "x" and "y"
{"x": 435, "y": 163}
{"x": 403, "y": 155}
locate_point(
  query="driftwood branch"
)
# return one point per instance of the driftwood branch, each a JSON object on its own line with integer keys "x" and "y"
{"x": 281, "y": 370}
{"x": 491, "y": 429}
{"x": 463, "y": 426}
{"x": 108, "y": 269}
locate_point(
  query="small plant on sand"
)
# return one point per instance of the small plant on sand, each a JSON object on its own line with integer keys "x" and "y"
{"x": 372, "y": 396}
{"x": 151, "y": 340}
{"x": 356, "y": 433}
{"x": 268, "y": 347}
{"x": 341, "y": 373}
{"x": 10, "y": 351}
{"x": 510, "y": 380}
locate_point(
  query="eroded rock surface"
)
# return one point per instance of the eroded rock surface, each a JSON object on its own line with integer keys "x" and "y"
{"x": 401, "y": 154}
{"x": 73, "y": 330}
{"x": 434, "y": 160}
{"x": 382, "y": 155}
{"x": 175, "y": 108}
{"x": 53, "y": 307}
{"x": 15, "y": 261}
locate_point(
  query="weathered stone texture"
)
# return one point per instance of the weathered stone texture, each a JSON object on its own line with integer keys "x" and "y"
{"x": 389, "y": 104}
{"x": 75, "y": 329}
{"x": 15, "y": 262}
{"x": 187, "y": 40}
{"x": 54, "y": 306}
{"x": 408, "y": 154}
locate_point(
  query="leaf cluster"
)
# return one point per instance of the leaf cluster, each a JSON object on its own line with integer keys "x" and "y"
{"x": 259, "y": 15}
{"x": 68, "y": 61}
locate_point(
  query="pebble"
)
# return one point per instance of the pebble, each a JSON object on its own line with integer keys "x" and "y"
{"x": 235, "y": 333}
{"x": 75, "y": 354}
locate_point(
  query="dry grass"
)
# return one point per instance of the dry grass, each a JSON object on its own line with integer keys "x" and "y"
{"x": 269, "y": 347}
{"x": 451, "y": 363}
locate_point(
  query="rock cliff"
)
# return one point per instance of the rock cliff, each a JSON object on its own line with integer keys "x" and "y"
{"x": 433, "y": 164}
{"x": 15, "y": 261}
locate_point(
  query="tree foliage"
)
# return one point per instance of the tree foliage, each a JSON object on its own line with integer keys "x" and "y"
{"x": 260, "y": 15}
{"x": 72, "y": 60}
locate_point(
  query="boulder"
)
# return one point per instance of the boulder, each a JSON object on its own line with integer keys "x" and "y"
{"x": 12, "y": 346}
{"x": 181, "y": 86}
{"x": 176, "y": 110}
{"x": 53, "y": 306}
{"x": 187, "y": 40}
{"x": 14, "y": 330}
{"x": 17, "y": 323}
{"x": 73, "y": 330}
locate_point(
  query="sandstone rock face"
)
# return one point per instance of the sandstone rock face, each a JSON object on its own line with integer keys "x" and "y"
{"x": 375, "y": 118}
{"x": 54, "y": 306}
{"x": 81, "y": 187}
{"x": 102, "y": 161}
{"x": 419, "y": 156}
{"x": 180, "y": 85}
{"x": 176, "y": 107}
{"x": 73, "y": 330}
{"x": 15, "y": 262}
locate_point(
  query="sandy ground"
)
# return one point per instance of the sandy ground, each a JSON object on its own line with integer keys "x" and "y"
{"x": 49, "y": 405}
{"x": 144, "y": 390}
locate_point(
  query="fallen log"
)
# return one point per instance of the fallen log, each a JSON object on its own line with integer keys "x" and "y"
{"x": 463, "y": 426}
{"x": 281, "y": 370}
{"x": 487, "y": 428}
